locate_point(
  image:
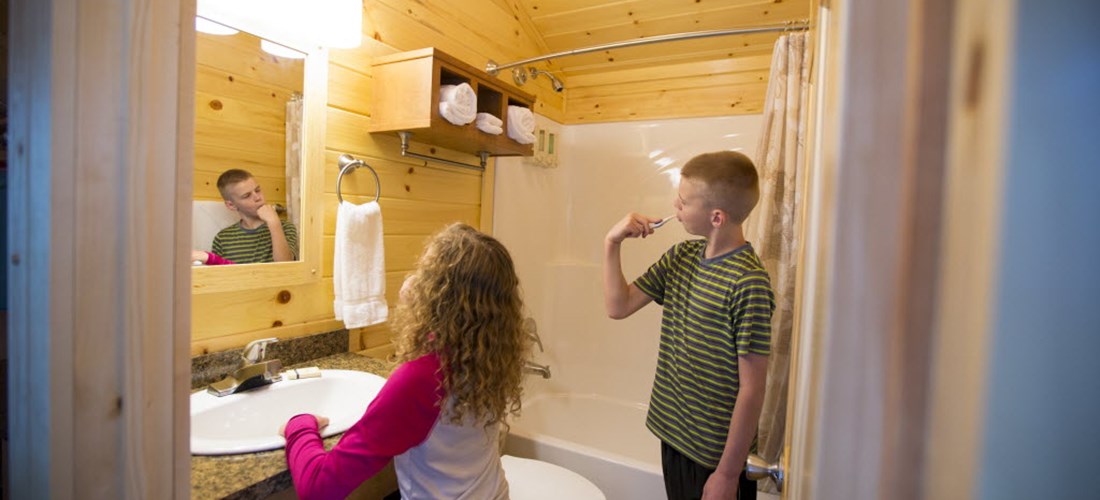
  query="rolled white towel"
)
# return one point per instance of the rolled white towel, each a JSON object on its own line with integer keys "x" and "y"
{"x": 461, "y": 95}
{"x": 489, "y": 129}
{"x": 489, "y": 120}
{"x": 521, "y": 124}
{"x": 522, "y": 138}
{"x": 457, "y": 103}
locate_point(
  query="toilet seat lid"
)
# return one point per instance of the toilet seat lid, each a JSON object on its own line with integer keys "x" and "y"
{"x": 537, "y": 480}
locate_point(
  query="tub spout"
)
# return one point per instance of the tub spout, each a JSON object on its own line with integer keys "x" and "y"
{"x": 542, "y": 370}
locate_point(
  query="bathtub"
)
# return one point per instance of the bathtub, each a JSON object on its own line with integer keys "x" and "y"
{"x": 600, "y": 438}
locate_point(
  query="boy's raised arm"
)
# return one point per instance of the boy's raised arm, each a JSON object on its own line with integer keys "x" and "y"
{"x": 280, "y": 249}
{"x": 620, "y": 299}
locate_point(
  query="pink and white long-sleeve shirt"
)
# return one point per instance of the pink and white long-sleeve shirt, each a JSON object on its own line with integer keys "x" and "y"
{"x": 406, "y": 422}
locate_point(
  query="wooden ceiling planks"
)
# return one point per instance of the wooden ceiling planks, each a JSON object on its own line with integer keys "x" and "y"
{"x": 630, "y": 26}
{"x": 706, "y": 49}
{"x": 701, "y": 77}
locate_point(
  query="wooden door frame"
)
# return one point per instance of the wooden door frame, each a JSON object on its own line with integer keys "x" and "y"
{"x": 974, "y": 189}
{"x": 100, "y": 121}
{"x": 885, "y": 397}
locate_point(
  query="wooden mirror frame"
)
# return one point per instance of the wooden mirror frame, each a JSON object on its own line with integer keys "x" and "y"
{"x": 212, "y": 279}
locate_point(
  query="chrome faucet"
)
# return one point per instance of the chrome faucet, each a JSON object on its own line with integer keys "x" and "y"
{"x": 255, "y": 351}
{"x": 253, "y": 371}
{"x": 532, "y": 331}
{"x": 542, "y": 370}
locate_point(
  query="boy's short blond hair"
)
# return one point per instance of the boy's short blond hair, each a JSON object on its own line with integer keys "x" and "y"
{"x": 729, "y": 179}
{"x": 229, "y": 178}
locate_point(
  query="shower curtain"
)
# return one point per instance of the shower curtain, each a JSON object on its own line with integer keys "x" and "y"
{"x": 773, "y": 227}
{"x": 294, "y": 159}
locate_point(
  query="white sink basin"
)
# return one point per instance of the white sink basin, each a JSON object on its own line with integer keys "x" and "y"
{"x": 249, "y": 422}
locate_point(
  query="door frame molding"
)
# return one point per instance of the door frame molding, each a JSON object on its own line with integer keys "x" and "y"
{"x": 904, "y": 193}
{"x": 101, "y": 116}
{"x": 974, "y": 191}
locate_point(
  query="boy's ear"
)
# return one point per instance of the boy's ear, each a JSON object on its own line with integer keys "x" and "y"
{"x": 718, "y": 217}
{"x": 230, "y": 205}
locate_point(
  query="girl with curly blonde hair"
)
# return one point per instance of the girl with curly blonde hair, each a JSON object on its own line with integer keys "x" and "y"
{"x": 462, "y": 349}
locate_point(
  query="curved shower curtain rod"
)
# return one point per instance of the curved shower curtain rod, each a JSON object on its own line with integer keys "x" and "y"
{"x": 493, "y": 68}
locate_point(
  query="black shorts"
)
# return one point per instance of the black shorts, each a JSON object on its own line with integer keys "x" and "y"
{"x": 685, "y": 479}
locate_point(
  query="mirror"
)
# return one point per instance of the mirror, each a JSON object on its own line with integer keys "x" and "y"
{"x": 248, "y": 116}
{"x": 241, "y": 100}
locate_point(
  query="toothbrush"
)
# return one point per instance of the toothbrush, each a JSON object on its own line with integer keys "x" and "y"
{"x": 655, "y": 225}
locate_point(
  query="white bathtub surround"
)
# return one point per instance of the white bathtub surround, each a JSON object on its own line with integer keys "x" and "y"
{"x": 209, "y": 217}
{"x": 553, "y": 221}
{"x": 595, "y": 421}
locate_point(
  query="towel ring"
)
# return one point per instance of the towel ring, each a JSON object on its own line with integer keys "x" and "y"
{"x": 348, "y": 163}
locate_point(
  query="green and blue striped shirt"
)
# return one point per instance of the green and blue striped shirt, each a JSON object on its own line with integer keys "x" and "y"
{"x": 247, "y": 246}
{"x": 714, "y": 311}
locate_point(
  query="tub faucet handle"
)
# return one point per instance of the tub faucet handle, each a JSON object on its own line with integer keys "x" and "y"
{"x": 532, "y": 331}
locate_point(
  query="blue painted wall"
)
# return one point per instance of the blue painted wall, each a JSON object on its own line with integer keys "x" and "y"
{"x": 1042, "y": 437}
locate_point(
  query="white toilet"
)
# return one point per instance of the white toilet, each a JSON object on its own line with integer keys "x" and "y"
{"x": 537, "y": 480}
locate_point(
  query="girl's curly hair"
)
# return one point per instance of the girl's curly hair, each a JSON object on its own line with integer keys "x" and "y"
{"x": 463, "y": 304}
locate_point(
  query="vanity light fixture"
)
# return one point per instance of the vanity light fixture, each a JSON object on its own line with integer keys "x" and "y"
{"x": 300, "y": 24}
{"x": 280, "y": 50}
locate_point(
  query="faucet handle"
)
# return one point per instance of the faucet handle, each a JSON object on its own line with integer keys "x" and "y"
{"x": 532, "y": 331}
{"x": 254, "y": 352}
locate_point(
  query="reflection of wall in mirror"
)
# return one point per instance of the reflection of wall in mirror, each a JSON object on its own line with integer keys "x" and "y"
{"x": 241, "y": 96}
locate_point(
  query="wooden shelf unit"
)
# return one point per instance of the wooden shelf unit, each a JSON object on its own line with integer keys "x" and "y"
{"x": 406, "y": 99}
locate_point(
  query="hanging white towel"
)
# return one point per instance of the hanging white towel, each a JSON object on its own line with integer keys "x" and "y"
{"x": 359, "y": 266}
{"x": 457, "y": 103}
{"x": 521, "y": 124}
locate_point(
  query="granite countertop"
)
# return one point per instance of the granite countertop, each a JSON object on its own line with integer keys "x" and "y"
{"x": 257, "y": 475}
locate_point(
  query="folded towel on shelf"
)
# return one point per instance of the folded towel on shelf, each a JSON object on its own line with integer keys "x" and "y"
{"x": 489, "y": 128}
{"x": 457, "y": 103}
{"x": 359, "y": 266}
{"x": 489, "y": 119}
{"x": 489, "y": 124}
{"x": 521, "y": 124}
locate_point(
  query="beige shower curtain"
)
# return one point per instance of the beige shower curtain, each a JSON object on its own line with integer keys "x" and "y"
{"x": 773, "y": 227}
{"x": 294, "y": 110}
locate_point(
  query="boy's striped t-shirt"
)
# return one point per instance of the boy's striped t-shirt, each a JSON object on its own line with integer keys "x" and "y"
{"x": 714, "y": 311}
{"x": 247, "y": 246}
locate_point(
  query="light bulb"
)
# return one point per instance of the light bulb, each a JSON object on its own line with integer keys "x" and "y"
{"x": 280, "y": 50}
